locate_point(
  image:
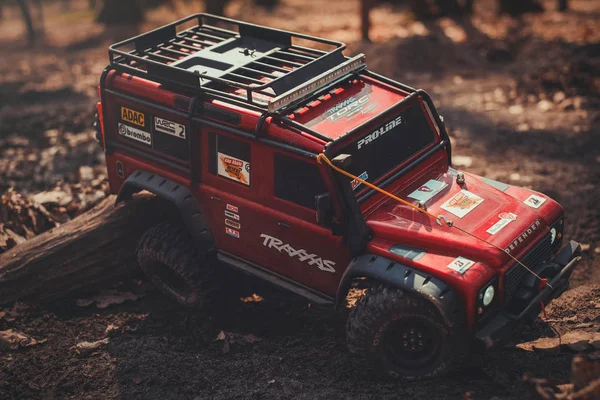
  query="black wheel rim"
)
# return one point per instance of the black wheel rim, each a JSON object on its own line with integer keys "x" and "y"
{"x": 412, "y": 342}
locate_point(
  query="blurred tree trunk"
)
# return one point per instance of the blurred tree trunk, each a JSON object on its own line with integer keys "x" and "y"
{"x": 421, "y": 9}
{"x": 268, "y": 4}
{"x": 216, "y": 7}
{"x": 26, "y": 12}
{"x": 365, "y": 20}
{"x": 114, "y": 12}
{"x": 519, "y": 7}
{"x": 563, "y": 5}
{"x": 449, "y": 7}
{"x": 469, "y": 6}
{"x": 40, "y": 12}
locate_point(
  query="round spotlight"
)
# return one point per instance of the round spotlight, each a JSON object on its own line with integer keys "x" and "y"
{"x": 488, "y": 295}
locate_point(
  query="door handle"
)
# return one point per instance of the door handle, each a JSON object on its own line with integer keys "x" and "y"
{"x": 215, "y": 198}
{"x": 282, "y": 224}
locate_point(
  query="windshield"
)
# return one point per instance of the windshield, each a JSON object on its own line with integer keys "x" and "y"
{"x": 391, "y": 144}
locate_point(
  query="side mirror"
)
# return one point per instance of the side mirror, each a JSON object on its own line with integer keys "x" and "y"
{"x": 324, "y": 207}
{"x": 342, "y": 161}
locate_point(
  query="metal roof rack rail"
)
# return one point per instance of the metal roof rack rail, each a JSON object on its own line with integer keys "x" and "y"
{"x": 263, "y": 67}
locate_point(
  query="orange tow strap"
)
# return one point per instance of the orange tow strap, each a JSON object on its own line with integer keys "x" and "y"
{"x": 543, "y": 282}
{"x": 323, "y": 158}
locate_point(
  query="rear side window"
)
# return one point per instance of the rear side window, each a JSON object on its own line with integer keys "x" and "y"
{"x": 229, "y": 158}
{"x": 297, "y": 181}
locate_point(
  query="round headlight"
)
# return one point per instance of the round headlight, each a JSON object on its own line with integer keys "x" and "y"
{"x": 488, "y": 295}
{"x": 552, "y": 235}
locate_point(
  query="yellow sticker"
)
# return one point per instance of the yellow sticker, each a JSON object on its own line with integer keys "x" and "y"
{"x": 135, "y": 117}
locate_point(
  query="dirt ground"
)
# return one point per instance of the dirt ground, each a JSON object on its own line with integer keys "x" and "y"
{"x": 521, "y": 100}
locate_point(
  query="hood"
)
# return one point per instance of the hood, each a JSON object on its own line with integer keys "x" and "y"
{"x": 477, "y": 207}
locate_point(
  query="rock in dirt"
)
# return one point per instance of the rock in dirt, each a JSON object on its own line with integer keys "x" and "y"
{"x": 12, "y": 340}
{"x": 542, "y": 346}
{"x": 515, "y": 109}
{"x": 230, "y": 338}
{"x": 577, "y": 341}
{"x": 595, "y": 341}
{"x": 57, "y": 197}
{"x": 545, "y": 105}
{"x": 84, "y": 348}
{"x": 585, "y": 375}
{"x": 107, "y": 298}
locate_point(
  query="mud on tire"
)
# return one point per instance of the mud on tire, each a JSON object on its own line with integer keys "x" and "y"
{"x": 402, "y": 334}
{"x": 167, "y": 255}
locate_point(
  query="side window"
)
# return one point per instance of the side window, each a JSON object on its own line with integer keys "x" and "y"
{"x": 297, "y": 181}
{"x": 229, "y": 158}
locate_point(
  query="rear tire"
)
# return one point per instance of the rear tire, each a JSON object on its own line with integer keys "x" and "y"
{"x": 401, "y": 334}
{"x": 167, "y": 255}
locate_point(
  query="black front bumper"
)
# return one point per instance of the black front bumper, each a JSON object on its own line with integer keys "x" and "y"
{"x": 504, "y": 325}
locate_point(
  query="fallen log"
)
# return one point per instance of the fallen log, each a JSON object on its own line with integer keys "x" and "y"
{"x": 91, "y": 250}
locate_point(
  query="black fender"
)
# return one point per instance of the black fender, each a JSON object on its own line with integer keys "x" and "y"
{"x": 395, "y": 274}
{"x": 177, "y": 194}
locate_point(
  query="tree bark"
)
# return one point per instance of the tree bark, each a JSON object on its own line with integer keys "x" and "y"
{"x": 365, "y": 19}
{"x": 26, "y": 12}
{"x": 91, "y": 250}
{"x": 520, "y": 7}
{"x": 117, "y": 12}
{"x": 216, "y": 7}
{"x": 563, "y": 5}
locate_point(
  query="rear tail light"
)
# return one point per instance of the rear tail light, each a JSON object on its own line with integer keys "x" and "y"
{"x": 99, "y": 122}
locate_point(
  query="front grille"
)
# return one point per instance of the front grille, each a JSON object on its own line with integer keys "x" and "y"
{"x": 512, "y": 279}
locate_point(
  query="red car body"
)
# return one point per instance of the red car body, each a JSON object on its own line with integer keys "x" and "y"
{"x": 254, "y": 225}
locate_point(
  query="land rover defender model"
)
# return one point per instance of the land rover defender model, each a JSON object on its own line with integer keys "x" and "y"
{"x": 294, "y": 163}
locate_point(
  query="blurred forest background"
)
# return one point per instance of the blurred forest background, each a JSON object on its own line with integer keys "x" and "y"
{"x": 518, "y": 83}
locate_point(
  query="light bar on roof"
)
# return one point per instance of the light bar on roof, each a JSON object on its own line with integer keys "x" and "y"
{"x": 316, "y": 83}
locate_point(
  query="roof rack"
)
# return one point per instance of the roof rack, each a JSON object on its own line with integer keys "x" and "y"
{"x": 268, "y": 68}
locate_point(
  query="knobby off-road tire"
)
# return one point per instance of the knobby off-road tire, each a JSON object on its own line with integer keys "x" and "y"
{"x": 167, "y": 255}
{"x": 400, "y": 333}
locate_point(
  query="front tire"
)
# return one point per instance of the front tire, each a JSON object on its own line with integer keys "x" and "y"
{"x": 167, "y": 255}
{"x": 400, "y": 333}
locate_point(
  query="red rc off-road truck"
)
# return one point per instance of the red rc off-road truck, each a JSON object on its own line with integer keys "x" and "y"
{"x": 268, "y": 144}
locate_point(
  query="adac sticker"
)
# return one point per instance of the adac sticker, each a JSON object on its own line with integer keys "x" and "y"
{"x": 234, "y": 169}
{"x": 462, "y": 203}
{"x": 364, "y": 176}
{"x": 133, "y": 117}
{"x": 232, "y": 208}
{"x": 428, "y": 190}
{"x": 461, "y": 264}
{"x": 229, "y": 214}
{"x": 534, "y": 201}
{"x": 505, "y": 219}
{"x": 232, "y": 232}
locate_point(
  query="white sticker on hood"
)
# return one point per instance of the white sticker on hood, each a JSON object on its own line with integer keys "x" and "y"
{"x": 505, "y": 219}
{"x": 534, "y": 201}
{"x": 428, "y": 190}
{"x": 461, "y": 264}
{"x": 462, "y": 203}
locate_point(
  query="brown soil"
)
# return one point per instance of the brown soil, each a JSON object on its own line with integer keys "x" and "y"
{"x": 519, "y": 97}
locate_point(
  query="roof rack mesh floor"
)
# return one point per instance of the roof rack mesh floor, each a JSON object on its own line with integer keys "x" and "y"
{"x": 244, "y": 62}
